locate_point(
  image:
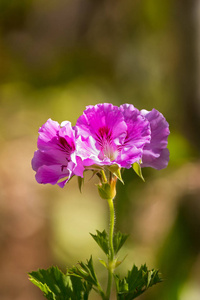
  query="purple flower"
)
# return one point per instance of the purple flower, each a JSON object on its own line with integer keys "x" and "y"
{"x": 55, "y": 161}
{"x": 104, "y": 135}
{"x": 109, "y": 135}
{"x": 156, "y": 154}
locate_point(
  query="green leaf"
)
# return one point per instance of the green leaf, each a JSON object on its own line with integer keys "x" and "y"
{"x": 80, "y": 183}
{"x": 52, "y": 282}
{"x": 81, "y": 289}
{"x": 137, "y": 168}
{"x": 118, "y": 241}
{"x": 101, "y": 238}
{"x": 136, "y": 282}
{"x": 85, "y": 271}
{"x": 57, "y": 286}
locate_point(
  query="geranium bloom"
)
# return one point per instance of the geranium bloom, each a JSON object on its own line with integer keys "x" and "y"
{"x": 55, "y": 161}
{"x": 105, "y": 135}
{"x": 110, "y": 135}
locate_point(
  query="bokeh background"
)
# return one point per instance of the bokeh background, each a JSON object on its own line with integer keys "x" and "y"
{"x": 58, "y": 56}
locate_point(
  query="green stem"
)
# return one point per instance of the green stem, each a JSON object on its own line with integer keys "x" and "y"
{"x": 111, "y": 231}
{"x": 104, "y": 176}
{"x": 111, "y": 252}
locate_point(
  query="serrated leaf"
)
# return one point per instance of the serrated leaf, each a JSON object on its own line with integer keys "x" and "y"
{"x": 137, "y": 168}
{"x": 118, "y": 241}
{"x": 51, "y": 281}
{"x": 58, "y": 286}
{"x": 85, "y": 271}
{"x": 101, "y": 238}
{"x": 136, "y": 282}
{"x": 81, "y": 289}
{"x": 44, "y": 288}
{"x": 87, "y": 274}
{"x": 80, "y": 183}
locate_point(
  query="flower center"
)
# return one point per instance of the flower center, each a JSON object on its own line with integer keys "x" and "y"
{"x": 105, "y": 140}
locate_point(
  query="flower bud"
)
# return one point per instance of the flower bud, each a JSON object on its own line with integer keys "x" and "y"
{"x": 107, "y": 190}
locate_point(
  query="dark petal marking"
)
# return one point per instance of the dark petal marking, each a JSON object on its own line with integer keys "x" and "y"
{"x": 64, "y": 145}
{"x": 104, "y": 134}
{"x": 62, "y": 167}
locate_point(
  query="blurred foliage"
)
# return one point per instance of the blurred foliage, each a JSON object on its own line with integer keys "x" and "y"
{"x": 57, "y": 57}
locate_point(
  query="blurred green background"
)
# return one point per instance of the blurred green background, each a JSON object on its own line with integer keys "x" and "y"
{"x": 58, "y": 56}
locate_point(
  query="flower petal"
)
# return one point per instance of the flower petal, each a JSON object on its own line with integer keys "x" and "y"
{"x": 102, "y": 117}
{"x": 51, "y": 174}
{"x": 103, "y": 130}
{"x": 159, "y": 162}
{"x": 155, "y": 154}
{"x": 47, "y": 132}
{"x": 51, "y": 157}
{"x": 79, "y": 168}
{"x": 87, "y": 150}
{"x": 129, "y": 155}
{"x": 138, "y": 128}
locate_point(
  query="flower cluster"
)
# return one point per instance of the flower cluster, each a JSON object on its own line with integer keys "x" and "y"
{"x": 104, "y": 136}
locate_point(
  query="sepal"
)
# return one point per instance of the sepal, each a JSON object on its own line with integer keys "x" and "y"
{"x": 119, "y": 262}
{"x": 103, "y": 263}
{"x": 138, "y": 170}
{"x": 106, "y": 190}
{"x": 80, "y": 183}
{"x": 116, "y": 170}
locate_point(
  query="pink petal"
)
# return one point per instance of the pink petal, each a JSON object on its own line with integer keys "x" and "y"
{"x": 51, "y": 174}
{"x": 155, "y": 154}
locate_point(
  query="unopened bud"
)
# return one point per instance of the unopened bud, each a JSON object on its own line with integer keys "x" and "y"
{"x": 106, "y": 190}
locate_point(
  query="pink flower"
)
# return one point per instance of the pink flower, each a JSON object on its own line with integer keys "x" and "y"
{"x": 109, "y": 135}
{"x": 55, "y": 161}
{"x": 105, "y": 135}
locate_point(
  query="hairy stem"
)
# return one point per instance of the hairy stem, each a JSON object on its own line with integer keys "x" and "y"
{"x": 111, "y": 248}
